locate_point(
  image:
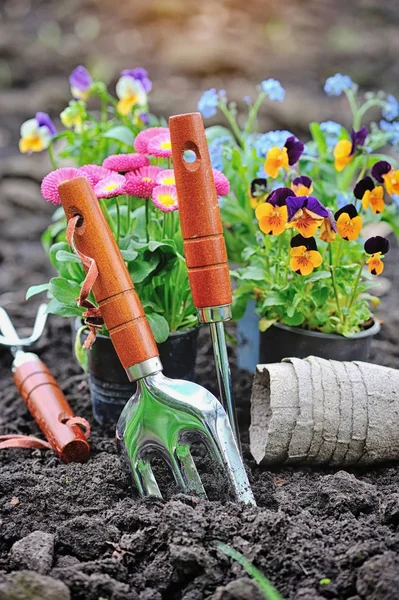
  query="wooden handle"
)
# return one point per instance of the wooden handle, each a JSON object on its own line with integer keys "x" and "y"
{"x": 114, "y": 291}
{"x": 200, "y": 220}
{"x": 51, "y": 410}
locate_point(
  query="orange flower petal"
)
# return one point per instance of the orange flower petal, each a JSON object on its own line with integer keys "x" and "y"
{"x": 342, "y": 154}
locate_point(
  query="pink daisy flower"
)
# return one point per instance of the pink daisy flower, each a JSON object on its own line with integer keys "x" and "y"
{"x": 165, "y": 197}
{"x": 125, "y": 162}
{"x": 94, "y": 173}
{"x": 50, "y": 183}
{"x": 222, "y": 184}
{"x": 143, "y": 138}
{"x": 111, "y": 186}
{"x": 166, "y": 177}
{"x": 160, "y": 146}
{"x": 142, "y": 182}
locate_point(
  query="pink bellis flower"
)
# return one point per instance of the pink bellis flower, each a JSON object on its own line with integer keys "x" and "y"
{"x": 94, "y": 173}
{"x": 50, "y": 183}
{"x": 166, "y": 177}
{"x": 125, "y": 162}
{"x": 165, "y": 197}
{"x": 160, "y": 146}
{"x": 111, "y": 186}
{"x": 81, "y": 82}
{"x": 142, "y": 182}
{"x": 37, "y": 133}
{"x": 222, "y": 184}
{"x": 143, "y": 138}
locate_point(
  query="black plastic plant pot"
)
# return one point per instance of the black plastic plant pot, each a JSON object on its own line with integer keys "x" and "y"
{"x": 110, "y": 388}
{"x": 281, "y": 341}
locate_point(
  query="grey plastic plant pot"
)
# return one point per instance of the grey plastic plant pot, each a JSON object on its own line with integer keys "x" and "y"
{"x": 110, "y": 388}
{"x": 281, "y": 341}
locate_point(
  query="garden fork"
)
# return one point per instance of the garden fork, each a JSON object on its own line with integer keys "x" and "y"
{"x": 43, "y": 397}
{"x": 164, "y": 416}
{"x": 204, "y": 245}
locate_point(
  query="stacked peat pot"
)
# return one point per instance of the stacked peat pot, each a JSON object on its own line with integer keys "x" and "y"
{"x": 324, "y": 412}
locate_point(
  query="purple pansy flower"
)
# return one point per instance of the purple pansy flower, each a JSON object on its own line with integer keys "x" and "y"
{"x": 380, "y": 168}
{"x": 300, "y": 240}
{"x": 376, "y": 244}
{"x": 81, "y": 81}
{"x": 294, "y": 149}
{"x": 279, "y": 196}
{"x": 362, "y": 186}
{"x": 43, "y": 120}
{"x": 302, "y": 180}
{"x": 358, "y": 138}
{"x": 141, "y": 75}
{"x": 310, "y": 203}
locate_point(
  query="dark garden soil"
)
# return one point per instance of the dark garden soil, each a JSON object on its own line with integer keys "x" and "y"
{"x": 315, "y": 533}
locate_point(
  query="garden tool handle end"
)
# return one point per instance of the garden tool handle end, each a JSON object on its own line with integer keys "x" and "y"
{"x": 113, "y": 289}
{"x": 199, "y": 213}
{"x": 49, "y": 407}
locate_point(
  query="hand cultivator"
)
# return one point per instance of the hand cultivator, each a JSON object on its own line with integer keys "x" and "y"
{"x": 43, "y": 397}
{"x": 204, "y": 244}
{"x": 164, "y": 416}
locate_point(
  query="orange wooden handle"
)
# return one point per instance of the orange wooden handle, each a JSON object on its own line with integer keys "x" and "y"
{"x": 114, "y": 291}
{"x": 50, "y": 409}
{"x": 199, "y": 213}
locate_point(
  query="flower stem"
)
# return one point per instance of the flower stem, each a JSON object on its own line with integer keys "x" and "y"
{"x": 147, "y": 218}
{"x": 253, "y": 113}
{"x": 334, "y": 284}
{"x": 232, "y": 123}
{"x": 118, "y": 220}
{"x": 356, "y": 286}
{"x": 51, "y": 156}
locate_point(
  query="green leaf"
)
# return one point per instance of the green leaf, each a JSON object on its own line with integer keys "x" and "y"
{"x": 269, "y": 592}
{"x": 318, "y": 276}
{"x": 129, "y": 255}
{"x": 296, "y": 319}
{"x": 255, "y": 273}
{"x": 80, "y": 352}
{"x": 274, "y": 299}
{"x": 121, "y": 134}
{"x": 217, "y": 131}
{"x": 64, "y": 291}
{"x": 140, "y": 269}
{"x": 36, "y": 289}
{"x": 318, "y": 137}
{"x": 265, "y": 324}
{"x": 69, "y": 257}
{"x": 159, "y": 327}
{"x": 63, "y": 310}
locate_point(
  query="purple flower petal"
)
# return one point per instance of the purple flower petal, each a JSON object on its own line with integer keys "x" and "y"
{"x": 311, "y": 203}
{"x": 279, "y": 196}
{"x": 80, "y": 78}
{"x": 379, "y": 169}
{"x": 302, "y": 180}
{"x": 362, "y": 186}
{"x": 358, "y": 138}
{"x": 299, "y": 240}
{"x": 330, "y": 217}
{"x": 294, "y": 149}
{"x": 376, "y": 244}
{"x": 294, "y": 203}
{"x": 315, "y": 206}
{"x": 141, "y": 75}
{"x": 43, "y": 120}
